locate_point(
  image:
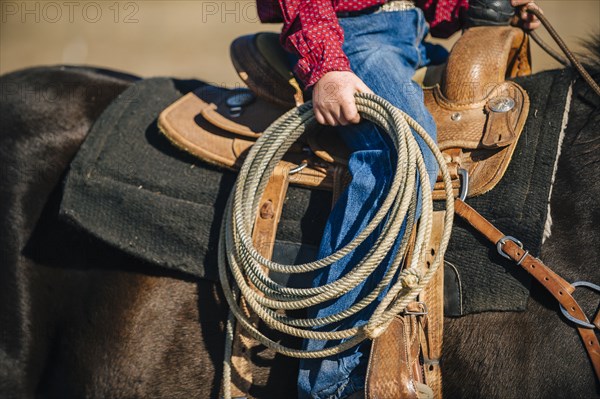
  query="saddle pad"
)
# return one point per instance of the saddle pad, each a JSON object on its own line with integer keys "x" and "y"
{"x": 518, "y": 205}
{"x": 131, "y": 188}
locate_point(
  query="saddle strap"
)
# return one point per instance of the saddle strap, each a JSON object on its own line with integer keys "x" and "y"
{"x": 558, "y": 287}
{"x": 263, "y": 238}
{"x": 433, "y": 297}
{"x": 405, "y": 360}
{"x": 269, "y": 211}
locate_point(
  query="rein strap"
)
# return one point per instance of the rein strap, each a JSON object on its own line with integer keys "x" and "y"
{"x": 557, "y": 286}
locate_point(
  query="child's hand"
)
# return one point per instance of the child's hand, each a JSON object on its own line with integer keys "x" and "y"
{"x": 524, "y": 19}
{"x": 333, "y": 98}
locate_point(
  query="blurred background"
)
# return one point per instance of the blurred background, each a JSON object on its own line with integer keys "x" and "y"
{"x": 186, "y": 39}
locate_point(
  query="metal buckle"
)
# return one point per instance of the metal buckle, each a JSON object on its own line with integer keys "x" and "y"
{"x": 397, "y": 5}
{"x": 464, "y": 183}
{"x": 503, "y": 241}
{"x": 298, "y": 168}
{"x": 586, "y": 323}
{"x": 423, "y": 312}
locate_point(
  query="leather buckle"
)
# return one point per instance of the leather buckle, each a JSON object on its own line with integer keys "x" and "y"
{"x": 503, "y": 241}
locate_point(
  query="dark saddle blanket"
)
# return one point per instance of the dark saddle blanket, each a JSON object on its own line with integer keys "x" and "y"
{"x": 130, "y": 187}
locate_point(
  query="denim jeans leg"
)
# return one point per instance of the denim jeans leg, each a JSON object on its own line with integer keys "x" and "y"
{"x": 371, "y": 173}
{"x": 384, "y": 50}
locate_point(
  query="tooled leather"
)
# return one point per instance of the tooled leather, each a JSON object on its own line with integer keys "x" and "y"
{"x": 182, "y": 125}
{"x": 475, "y": 138}
{"x": 476, "y": 71}
{"x": 257, "y": 60}
{"x": 480, "y": 56}
{"x": 486, "y": 140}
{"x": 478, "y": 59}
{"x": 499, "y": 129}
{"x": 468, "y": 129}
{"x": 395, "y": 361}
{"x": 519, "y": 58}
{"x": 391, "y": 372}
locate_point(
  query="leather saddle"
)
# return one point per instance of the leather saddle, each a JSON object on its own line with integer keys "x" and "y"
{"x": 478, "y": 112}
{"x": 479, "y": 116}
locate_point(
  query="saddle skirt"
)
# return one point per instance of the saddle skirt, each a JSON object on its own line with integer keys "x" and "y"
{"x": 210, "y": 124}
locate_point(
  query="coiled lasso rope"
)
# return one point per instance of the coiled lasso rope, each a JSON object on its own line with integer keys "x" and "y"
{"x": 239, "y": 259}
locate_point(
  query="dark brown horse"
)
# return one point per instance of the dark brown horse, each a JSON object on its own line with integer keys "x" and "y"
{"x": 81, "y": 319}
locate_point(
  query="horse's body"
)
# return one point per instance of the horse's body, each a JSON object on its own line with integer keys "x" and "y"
{"x": 80, "y": 319}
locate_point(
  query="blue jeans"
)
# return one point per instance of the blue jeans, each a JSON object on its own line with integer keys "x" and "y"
{"x": 384, "y": 50}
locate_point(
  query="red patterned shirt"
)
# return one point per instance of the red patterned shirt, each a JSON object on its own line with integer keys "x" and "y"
{"x": 311, "y": 29}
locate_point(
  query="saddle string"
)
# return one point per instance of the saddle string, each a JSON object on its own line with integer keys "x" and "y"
{"x": 243, "y": 270}
{"x": 563, "y": 46}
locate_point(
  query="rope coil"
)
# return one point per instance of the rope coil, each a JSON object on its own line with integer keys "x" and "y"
{"x": 239, "y": 261}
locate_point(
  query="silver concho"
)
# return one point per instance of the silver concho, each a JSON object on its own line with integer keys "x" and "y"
{"x": 501, "y": 104}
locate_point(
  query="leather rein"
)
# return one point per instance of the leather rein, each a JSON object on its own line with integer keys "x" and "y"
{"x": 559, "y": 288}
{"x": 574, "y": 62}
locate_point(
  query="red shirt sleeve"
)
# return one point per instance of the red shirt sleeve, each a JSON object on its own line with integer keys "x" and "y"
{"x": 311, "y": 30}
{"x": 445, "y": 17}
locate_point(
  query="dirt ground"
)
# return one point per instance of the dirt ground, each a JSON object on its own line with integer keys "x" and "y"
{"x": 181, "y": 38}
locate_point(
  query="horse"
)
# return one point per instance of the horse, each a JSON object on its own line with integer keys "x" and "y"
{"x": 80, "y": 318}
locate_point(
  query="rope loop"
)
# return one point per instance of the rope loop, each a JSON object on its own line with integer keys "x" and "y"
{"x": 244, "y": 272}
